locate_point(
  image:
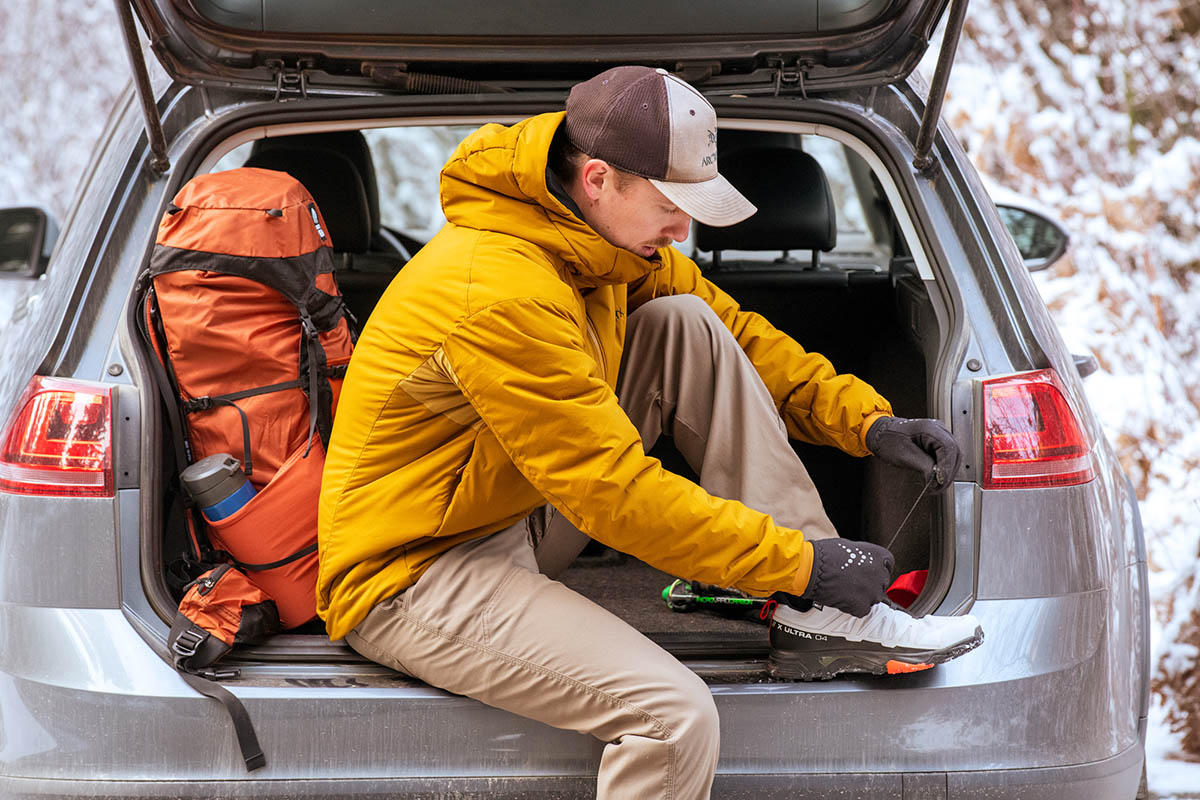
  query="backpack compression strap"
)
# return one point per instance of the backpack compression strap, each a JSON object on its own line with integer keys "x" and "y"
{"x": 319, "y": 414}
{"x": 252, "y": 752}
{"x": 314, "y": 365}
{"x": 193, "y": 650}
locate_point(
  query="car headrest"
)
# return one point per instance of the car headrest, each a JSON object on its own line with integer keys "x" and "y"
{"x": 795, "y": 205}
{"x": 351, "y": 144}
{"x": 334, "y": 184}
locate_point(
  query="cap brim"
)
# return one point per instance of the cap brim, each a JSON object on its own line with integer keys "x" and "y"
{"x": 713, "y": 202}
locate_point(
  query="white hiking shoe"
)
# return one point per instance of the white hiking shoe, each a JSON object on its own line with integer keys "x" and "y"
{"x": 824, "y": 642}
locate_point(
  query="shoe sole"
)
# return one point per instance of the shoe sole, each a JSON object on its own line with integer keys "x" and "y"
{"x": 827, "y": 663}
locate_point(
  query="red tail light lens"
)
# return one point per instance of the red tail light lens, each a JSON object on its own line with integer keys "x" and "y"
{"x": 59, "y": 441}
{"x": 1031, "y": 436}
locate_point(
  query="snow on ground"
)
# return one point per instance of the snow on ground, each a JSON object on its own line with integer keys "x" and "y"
{"x": 1090, "y": 108}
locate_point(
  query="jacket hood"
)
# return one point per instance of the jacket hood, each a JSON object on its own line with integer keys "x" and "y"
{"x": 496, "y": 181}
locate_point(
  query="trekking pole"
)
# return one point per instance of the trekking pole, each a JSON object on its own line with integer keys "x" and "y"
{"x": 688, "y": 596}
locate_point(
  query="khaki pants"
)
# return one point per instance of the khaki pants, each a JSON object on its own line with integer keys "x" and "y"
{"x": 488, "y": 621}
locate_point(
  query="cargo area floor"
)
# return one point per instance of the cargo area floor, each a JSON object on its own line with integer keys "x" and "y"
{"x": 632, "y": 590}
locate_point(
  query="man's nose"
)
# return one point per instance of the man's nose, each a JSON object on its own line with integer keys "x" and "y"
{"x": 681, "y": 223}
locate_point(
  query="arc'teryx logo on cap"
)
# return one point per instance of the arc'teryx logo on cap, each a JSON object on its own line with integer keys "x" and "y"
{"x": 711, "y": 158}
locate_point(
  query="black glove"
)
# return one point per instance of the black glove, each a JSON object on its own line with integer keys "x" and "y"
{"x": 920, "y": 444}
{"x": 848, "y": 575}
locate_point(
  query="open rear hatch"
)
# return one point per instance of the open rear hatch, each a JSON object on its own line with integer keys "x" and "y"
{"x": 466, "y": 47}
{"x": 364, "y": 44}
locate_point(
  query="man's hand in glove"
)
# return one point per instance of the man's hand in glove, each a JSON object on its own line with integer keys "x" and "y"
{"x": 920, "y": 444}
{"x": 848, "y": 575}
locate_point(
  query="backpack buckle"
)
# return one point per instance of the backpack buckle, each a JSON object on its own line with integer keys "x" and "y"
{"x": 217, "y": 674}
{"x": 198, "y": 404}
{"x": 187, "y": 643}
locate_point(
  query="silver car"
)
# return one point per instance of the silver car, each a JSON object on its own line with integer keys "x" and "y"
{"x": 924, "y": 294}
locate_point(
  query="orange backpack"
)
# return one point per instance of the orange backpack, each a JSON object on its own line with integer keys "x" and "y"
{"x": 245, "y": 315}
{"x": 252, "y": 340}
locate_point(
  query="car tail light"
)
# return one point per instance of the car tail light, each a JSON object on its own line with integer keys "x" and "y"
{"x": 59, "y": 441}
{"x": 1032, "y": 438}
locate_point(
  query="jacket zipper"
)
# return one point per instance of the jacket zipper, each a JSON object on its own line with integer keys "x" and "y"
{"x": 594, "y": 335}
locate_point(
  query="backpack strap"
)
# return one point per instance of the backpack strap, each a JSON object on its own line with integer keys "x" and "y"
{"x": 207, "y": 402}
{"x": 320, "y": 411}
{"x": 313, "y": 366}
{"x": 242, "y": 613}
{"x": 194, "y": 650}
{"x": 164, "y": 378}
{"x": 296, "y": 556}
{"x": 252, "y": 752}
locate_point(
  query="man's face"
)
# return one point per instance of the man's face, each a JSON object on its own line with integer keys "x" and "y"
{"x": 630, "y": 213}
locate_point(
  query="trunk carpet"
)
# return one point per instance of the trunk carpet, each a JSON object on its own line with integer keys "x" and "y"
{"x": 632, "y": 590}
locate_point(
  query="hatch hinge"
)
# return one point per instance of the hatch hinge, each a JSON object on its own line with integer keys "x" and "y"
{"x": 290, "y": 79}
{"x": 791, "y": 76}
{"x": 159, "y": 162}
{"x": 922, "y": 160}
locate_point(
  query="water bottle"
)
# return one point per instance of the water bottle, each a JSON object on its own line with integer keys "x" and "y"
{"x": 218, "y": 485}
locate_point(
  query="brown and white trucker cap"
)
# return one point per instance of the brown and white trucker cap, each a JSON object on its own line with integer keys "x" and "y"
{"x": 648, "y": 122}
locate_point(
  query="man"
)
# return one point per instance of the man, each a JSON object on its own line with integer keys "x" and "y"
{"x": 500, "y": 401}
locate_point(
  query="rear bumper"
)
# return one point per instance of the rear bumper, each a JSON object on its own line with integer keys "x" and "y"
{"x": 88, "y": 709}
{"x": 1115, "y": 778}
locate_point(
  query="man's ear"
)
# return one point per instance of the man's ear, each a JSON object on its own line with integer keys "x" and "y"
{"x": 593, "y": 175}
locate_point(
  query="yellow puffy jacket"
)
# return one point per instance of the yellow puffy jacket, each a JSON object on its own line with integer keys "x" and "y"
{"x": 483, "y": 387}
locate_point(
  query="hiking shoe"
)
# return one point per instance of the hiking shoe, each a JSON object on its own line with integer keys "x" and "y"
{"x": 824, "y": 642}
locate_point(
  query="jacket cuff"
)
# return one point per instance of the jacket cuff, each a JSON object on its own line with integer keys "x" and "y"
{"x": 800, "y": 581}
{"x": 866, "y": 426}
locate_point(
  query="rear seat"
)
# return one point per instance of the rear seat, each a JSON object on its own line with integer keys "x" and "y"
{"x": 337, "y": 170}
{"x": 796, "y": 212}
{"x": 795, "y": 207}
{"x": 839, "y": 313}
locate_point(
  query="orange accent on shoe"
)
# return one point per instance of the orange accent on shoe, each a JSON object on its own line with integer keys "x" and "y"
{"x": 899, "y": 667}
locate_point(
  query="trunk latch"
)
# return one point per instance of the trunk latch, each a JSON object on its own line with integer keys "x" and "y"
{"x": 791, "y": 76}
{"x": 291, "y": 79}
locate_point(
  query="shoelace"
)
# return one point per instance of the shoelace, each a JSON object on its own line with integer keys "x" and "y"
{"x": 911, "y": 509}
